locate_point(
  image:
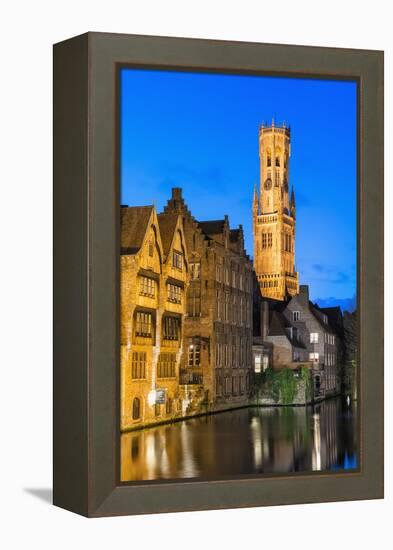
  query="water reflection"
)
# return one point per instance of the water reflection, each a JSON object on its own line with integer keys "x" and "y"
{"x": 245, "y": 441}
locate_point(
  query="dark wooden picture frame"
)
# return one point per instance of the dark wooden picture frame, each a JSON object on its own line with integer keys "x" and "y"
{"x": 86, "y": 273}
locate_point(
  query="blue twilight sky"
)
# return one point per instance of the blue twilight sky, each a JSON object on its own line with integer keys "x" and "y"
{"x": 200, "y": 132}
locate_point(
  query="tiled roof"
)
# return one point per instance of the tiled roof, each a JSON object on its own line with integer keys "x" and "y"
{"x": 133, "y": 226}
{"x": 167, "y": 223}
{"x": 314, "y": 310}
{"x": 335, "y": 318}
{"x": 278, "y": 327}
{"x": 214, "y": 227}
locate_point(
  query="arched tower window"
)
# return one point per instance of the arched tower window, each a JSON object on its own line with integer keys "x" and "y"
{"x": 136, "y": 408}
{"x": 277, "y": 161}
{"x": 268, "y": 158}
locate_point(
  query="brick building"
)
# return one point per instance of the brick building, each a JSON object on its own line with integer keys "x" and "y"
{"x": 217, "y": 362}
{"x": 154, "y": 278}
{"x": 303, "y": 333}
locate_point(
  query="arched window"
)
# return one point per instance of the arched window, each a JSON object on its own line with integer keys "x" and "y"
{"x": 269, "y": 158}
{"x": 136, "y": 408}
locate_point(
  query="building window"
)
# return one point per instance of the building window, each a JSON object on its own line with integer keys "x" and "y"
{"x": 219, "y": 305}
{"x": 225, "y": 358}
{"x": 194, "y": 355}
{"x": 226, "y": 305}
{"x": 218, "y": 385}
{"x": 174, "y": 294}
{"x": 143, "y": 324}
{"x": 234, "y": 309}
{"x": 257, "y": 362}
{"x": 195, "y": 270}
{"x": 138, "y": 365}
{"x": 296, "y": 315}
{"x": 171, "y": 326}
{"x": 136, "y": 408}
{"x": 269, "y": 159}
{"x": 167, "y": 365}
{"x": 177, "y": 260}
{"x": 194, "y": 301}
{"x": 218, "y": 355}
{"x": 219, "y": 270}
{"x": 147, "y": 287}
{"x": 277, "y": 161}
{"x": 151, "y": 249}
{"x": 267, "y": 240}
{"x": 227, "y": 385}
{"x": 314, "y": 337}
{"x": 169, "y": 405}
{"x": 296, "y": 355}
{"x": 314, "y": 357}
{"x": 226, "y": 275}
{"x": 325, "y": 319}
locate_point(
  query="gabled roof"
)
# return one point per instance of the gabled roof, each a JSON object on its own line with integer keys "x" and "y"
{"x": 167, "y": 224}
{"x": 313, "y": 310}
{"x": 278, "y": 327}
{"x": 334, "y": 315}
{"x": 133, "y": 226}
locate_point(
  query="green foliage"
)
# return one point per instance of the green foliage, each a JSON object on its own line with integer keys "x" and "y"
{"x": 305, "y": 377}
{"x": 288, "y": 386}
{"x": 282, "y": 384}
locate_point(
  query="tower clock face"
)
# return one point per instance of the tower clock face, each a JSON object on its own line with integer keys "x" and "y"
{"x": 268, "y": 184}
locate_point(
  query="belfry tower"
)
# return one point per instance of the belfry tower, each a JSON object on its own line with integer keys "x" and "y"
{"x": 274, "y": 216}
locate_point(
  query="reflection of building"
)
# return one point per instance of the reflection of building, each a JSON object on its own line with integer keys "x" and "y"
{"x": 154, "y": 275}
{"x": 274, "y": 217}
{"x": 218, "y": 327}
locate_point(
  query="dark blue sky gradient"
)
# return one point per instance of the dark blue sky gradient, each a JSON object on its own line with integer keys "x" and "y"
{"x": 200, "y": 132}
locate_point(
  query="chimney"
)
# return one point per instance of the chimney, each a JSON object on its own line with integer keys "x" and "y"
{"x": 264, "y": 319}
{"x": 303, "y": 293}
{"x": 177, "y": 193}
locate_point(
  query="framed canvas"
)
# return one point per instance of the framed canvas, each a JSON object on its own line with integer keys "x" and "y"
{"x": 218, "y": 274}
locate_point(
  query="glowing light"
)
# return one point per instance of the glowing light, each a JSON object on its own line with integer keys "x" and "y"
{"x": 151, "y": 397}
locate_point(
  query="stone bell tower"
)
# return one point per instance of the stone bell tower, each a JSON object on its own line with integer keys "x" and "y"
{"x": 274, "y": 216}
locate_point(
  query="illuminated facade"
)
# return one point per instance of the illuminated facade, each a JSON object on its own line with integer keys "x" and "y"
{"x": 217, "y": 363}
{"x": 154, "y": 277}
{"x": 274, "y": 217}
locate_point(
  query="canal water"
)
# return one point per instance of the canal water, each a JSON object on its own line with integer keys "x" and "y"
{"x": 245, "y": 441}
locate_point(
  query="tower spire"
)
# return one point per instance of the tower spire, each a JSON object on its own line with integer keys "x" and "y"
{"x": 274, "y": 223}
{"x": 293, "y": 195}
